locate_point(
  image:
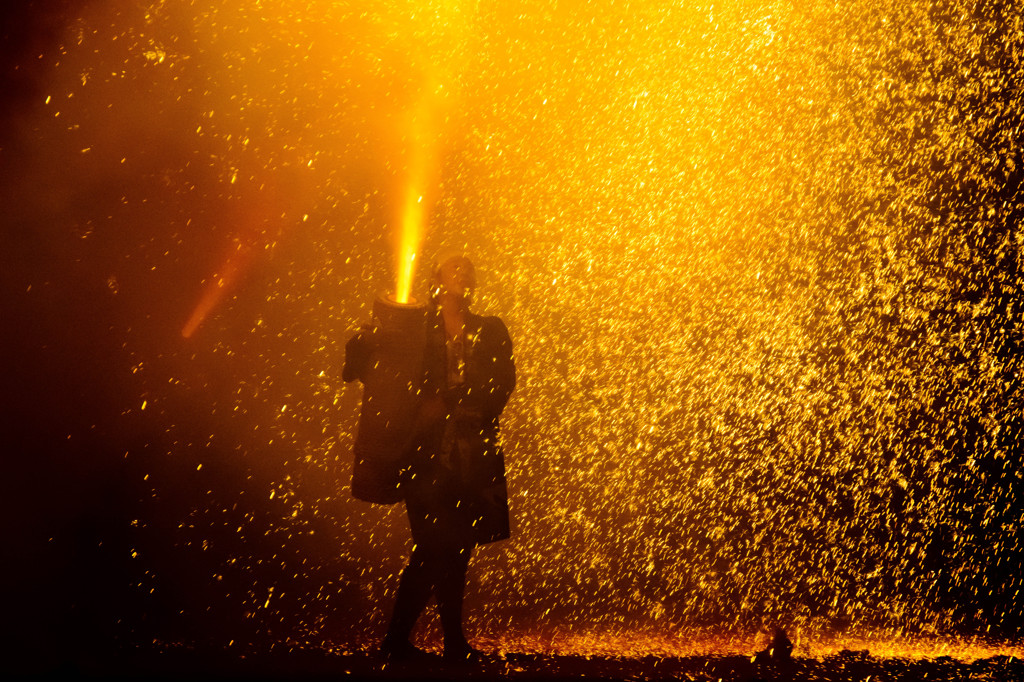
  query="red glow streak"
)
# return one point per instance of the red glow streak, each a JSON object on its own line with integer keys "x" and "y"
{"x": 213, "y": 293}
{"x": 255, "y": 235}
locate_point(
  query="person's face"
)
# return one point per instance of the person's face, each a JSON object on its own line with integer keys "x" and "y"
{"x": 457, "y": 276}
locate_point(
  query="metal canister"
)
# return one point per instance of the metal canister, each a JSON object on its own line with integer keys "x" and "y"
{"x": 391, "y": 399}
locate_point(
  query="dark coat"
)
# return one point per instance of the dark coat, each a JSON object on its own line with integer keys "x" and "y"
{"x": 457, "y": 491}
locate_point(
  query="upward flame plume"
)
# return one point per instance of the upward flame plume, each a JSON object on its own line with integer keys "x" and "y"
{"x": 425, "y": 131}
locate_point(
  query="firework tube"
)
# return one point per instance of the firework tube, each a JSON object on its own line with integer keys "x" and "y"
{"x": 391, "y": 373}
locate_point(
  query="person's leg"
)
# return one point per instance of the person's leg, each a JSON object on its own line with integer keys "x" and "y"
{"x": 414, "y": 589}
{"x": 451, "y": 589}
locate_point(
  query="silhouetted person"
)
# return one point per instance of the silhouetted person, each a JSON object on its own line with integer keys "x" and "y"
{"x": 779, "y": 651}
{"x": 454, "y": 491}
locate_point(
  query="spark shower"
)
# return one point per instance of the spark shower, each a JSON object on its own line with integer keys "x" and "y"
{"x": 760, "y": 261}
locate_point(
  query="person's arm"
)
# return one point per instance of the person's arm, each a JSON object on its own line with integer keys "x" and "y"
{"x": 358, "y": 355}
{"x": 497, "y": 377}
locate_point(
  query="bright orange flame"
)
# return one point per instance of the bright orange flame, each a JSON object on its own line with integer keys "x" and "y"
{"x": 413, "y": 224}
{"x": 422, "y": 178}
{"x": 440, "y": 32}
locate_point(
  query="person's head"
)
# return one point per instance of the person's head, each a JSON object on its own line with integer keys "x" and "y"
{"x": 453, "y": 279}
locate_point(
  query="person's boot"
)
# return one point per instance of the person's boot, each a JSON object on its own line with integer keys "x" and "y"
{"x": 451, "y": 589}
{"x": 414, "y": 588}
{"x": 395, "y": 650}
{"x": 460, "y": 651}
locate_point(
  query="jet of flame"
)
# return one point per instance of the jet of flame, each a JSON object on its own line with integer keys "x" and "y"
{"x": 424, "y": 133}
{"x": 422, "y": 167}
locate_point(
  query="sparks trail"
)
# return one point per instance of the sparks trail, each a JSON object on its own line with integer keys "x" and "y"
{"x": 759, "y": 264}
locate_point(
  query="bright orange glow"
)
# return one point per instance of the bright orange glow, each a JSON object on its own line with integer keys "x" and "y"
{"x": 413, "y": 227}
{"x": 424, "y": 133}
{"x": 423, "y": 173}
{"x": 446, "y": 24}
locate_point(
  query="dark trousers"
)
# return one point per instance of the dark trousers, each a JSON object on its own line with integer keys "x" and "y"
{"x": 443, "y": 534}
{"x": 437, "y": 570}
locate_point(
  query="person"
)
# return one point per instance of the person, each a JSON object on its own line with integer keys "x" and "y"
{"x": 455, "y": 489}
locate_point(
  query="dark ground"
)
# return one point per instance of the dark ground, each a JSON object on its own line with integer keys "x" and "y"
{"x": 319, "y": 665}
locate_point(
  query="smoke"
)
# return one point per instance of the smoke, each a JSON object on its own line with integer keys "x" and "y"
{"x": 759, "y": 262}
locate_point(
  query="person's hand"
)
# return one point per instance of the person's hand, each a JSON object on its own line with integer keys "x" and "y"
{"x": 358, "y": 352}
